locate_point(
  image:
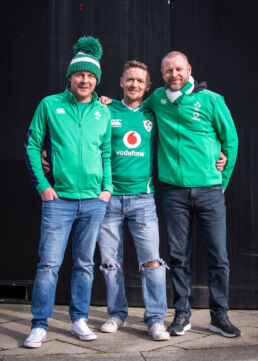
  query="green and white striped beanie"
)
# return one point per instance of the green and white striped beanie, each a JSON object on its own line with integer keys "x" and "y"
{"x": 87, "y": 53}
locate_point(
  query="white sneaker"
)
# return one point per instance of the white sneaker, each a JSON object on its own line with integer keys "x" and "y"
{"x": 36, "y": 337}
{"x": 112, "y": 325}
{"x": 80, "y": 329}
{"x": 158, "y": 331}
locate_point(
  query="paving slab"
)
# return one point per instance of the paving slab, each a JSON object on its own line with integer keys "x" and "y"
{"x": 14, "y": 333}
{"x": 227, "y": 354}
{"x": 247, "y": 318}
{"x": 13, "y": 312}
{"x": 133, "y": 335}
{"x": 126, "y": 340}
{"x": 237, "y": 354}
{"x": 131, "y": 343}
{"x": 100, "y": 357}
{"x": 201, "y": 318}
{"x": 48, "y": 348}
{"x": 248, "y": 338}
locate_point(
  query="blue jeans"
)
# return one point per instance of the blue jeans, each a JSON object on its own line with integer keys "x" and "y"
{"x": 59, "y": 216}
{"x": 208, "y": 203}
{"x": 140, "y": 212}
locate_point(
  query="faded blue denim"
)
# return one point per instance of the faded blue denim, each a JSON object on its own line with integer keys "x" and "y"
{"x": 179, "y": 205}
{"x": 59, "y": 217}
{"x": 140, "y": 212}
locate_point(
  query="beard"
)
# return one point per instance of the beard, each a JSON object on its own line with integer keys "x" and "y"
{"x": 179, "y": 85}
{"x": 174, "y": 88}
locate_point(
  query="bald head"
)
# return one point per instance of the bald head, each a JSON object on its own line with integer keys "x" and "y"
{"x": 173, "y": 54}
{"x": 175, "y": 70}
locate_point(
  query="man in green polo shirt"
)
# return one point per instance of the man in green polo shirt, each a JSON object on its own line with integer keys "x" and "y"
{"x": 133, "y": 130}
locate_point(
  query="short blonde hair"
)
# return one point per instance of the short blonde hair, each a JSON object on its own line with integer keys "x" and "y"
{"x": 137, "y": 64}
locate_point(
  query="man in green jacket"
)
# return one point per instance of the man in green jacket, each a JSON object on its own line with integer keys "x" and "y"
{"x": 75, "y": 194}
{"x": 193, "y": 127}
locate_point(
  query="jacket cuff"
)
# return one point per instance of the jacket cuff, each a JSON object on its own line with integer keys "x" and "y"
{"x": 108, "y": 188}
{"x": 42, "y": 186}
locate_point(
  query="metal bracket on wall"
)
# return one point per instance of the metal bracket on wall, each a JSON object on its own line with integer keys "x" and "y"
{"x": 15, "y": 290}
{"x": 171, "y": 2}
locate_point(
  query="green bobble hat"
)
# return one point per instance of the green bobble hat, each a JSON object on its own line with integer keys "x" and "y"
{"x": 87, "y": 53}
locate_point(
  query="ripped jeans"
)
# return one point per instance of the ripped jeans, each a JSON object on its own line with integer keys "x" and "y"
{"x": 140, "y": 212}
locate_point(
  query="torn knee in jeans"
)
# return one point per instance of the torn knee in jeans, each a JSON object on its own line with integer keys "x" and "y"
{"x": 152, "y": 264}
{"x": 109, "y": 266}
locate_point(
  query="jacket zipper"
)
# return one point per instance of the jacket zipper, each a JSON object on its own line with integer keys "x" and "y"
{"x": 87, "y": 110}
{"x": 178, "y": 137}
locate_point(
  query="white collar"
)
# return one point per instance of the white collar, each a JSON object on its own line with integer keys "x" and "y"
{"x": 134, "y": 109}
{"x": 173, "y": 95}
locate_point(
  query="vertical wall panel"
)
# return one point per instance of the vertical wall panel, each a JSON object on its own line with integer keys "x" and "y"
{"x": 220, "y": 40}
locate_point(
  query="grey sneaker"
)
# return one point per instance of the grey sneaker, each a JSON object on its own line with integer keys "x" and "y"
{"x": 158, "y": 331}
{"x": 180, "y": 325}
{"x": 36, "y": 337}
{"x": 81, "y": 330}
{"x": 112, "y": 325}
{"x": 224, "y": 327}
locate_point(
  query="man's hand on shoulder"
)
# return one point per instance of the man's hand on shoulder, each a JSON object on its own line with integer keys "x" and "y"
{"x": 45, "y": 164}
{"x": 220, "y": 164}
{"x": 105, "y": 100}
{"x": 105, "y": 196}
{"x": 49, "y": 194}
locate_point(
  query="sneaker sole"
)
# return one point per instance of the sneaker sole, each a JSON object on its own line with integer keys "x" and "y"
{"x": 34, "y": 344}
{"x": 220, "y": 331}
{"x": 160, "y": 338}
{"x": 84, "y": 338}
{"x": 186, "y": 328}
{"x": 105, "y": 330}
{"x": 110, "y": 330}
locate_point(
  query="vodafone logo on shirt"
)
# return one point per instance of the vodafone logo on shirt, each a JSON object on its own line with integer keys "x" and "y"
{"x": 132, "y": 139}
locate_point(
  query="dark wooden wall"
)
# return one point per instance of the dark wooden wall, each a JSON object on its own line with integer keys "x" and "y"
{"x": 220, "y": 39}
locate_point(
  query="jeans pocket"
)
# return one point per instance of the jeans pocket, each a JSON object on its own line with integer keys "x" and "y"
{"x": 145, "y": 196}
{"x": 50, "y": 200}
{"x": 101, "y": 200}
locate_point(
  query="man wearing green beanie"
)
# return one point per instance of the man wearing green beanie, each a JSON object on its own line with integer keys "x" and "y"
{"x": 75, "y": 130}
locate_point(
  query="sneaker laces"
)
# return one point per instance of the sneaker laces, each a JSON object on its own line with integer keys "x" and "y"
{"x": 83, "y": 324}
{"x": 159, "y": 327}
{"x": 112, "y": 321}
{"x": 36, "y": 332}
{"x": 227, "y": 321}
{"x": 178, "y": 320}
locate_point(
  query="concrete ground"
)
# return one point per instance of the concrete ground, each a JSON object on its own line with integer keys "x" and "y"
{"x": 132, "y": 343}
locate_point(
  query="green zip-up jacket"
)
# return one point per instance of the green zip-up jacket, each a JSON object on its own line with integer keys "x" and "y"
{"x": 78, "y": 147}
{"x": 191, "y": 137}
